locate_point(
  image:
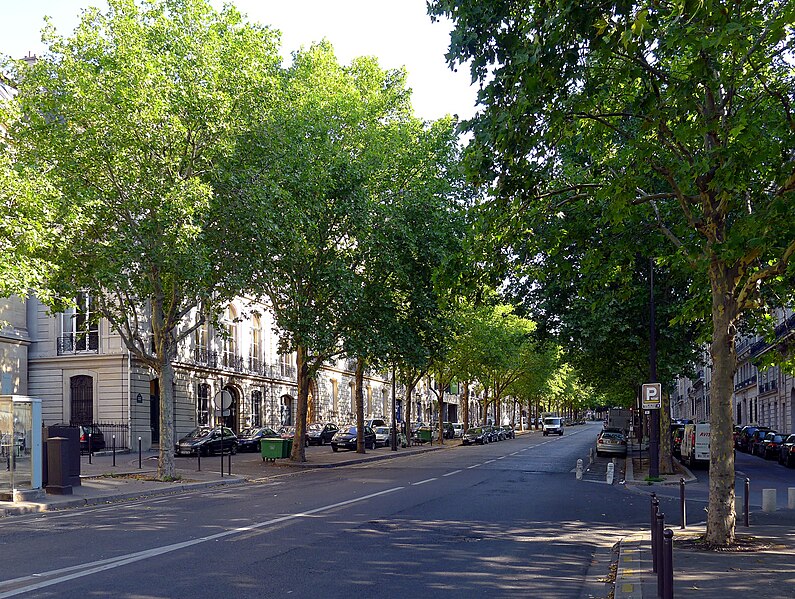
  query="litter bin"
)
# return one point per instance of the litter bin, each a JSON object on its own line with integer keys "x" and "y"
{"x": 273, "y": 449}
{"x": 424, "y": 434}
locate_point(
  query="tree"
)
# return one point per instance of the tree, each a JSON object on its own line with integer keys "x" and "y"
{"x": 310, "y": 164}
{"x": 679, "y": 114}
{"x": 128, "y": 118}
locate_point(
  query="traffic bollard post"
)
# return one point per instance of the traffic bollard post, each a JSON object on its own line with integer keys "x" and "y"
{"x": 660, "y": 565}
{"x": 682, "y": 504}
{"x": 229, "y": 465}
{"x": 139, "y": 453}
{"x": 113, "y": 449}
{"x": 668, "y": 564}
{"x": 747, "y": 501}
{"x": 89, "y": 448}
{"x": 655, "y": 503}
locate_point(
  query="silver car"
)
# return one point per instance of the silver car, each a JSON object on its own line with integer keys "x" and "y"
{"x": 608, "y": 442}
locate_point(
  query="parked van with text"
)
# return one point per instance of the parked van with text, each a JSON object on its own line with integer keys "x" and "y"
{"x": 695, "y": 444}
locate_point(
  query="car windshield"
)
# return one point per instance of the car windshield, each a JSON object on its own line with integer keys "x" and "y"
{"x": 351, "y": 430}
{"x": 248, "y": 432}
{"x": 198, "y": 432}
{"x": 552, "y": 421}
{"x": 382, "y": 430}
{"x": 475, "y": 431}
{"x": 315, "y": 427}
{"x": 613, "y": 436}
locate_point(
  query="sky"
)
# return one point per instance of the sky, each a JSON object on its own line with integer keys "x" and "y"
{"x": 398, "y": 32}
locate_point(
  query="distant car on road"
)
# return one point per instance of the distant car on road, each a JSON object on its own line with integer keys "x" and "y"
{"x": 97, "y": 438}
{"x": 553, "y": 425}
{"x": 458, "y": 430}
{"x": 346, "y": 438}
{"x": 475, "y": 435}
{"x": 207, "y": 441}
{"x": 786, "y": 454}
{"x": 508, "y": 431}
{"x": 249, "y": 438}
{"x": 383, "y": 436}
{"x": 320, "y": 434}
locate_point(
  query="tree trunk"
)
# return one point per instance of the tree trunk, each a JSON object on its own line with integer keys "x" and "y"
{"x": 359, "y": 393}
{"x": 166, "y": 469}
{"x": 665, "y": 462}
{"x": 721, "y": 515}
{"x": 465, "y": 404}
{"x": 298, "y": 454}
{"x": 485, "y": 420}
{"x": 409, "y": 392}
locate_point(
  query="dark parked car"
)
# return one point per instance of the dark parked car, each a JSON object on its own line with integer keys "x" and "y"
{"x": 786, "y": 454}
{"x": 288, "y": 432}
{"x": 449, "y": 431}
{"x": 771, "y": 445}
{"x": 755, "y": 440}
{"x": 346, "y": 438}
{"x": 509, "y": 432}
{"x": 320, "y": 434}
{"x": 476, "y": 434}
{"x": 744, "y": 436}
{"x": 676, "y": 440}
{"x": 97, "y": 438}
{"x": 207, "y": 441}
{"x": 249, "y": 438}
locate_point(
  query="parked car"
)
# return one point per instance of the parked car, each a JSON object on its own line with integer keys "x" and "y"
{"x": 458, "y": 430}
{"x": 249, "y": 438}
{"x": 508, "y": 431}
{"x": 320, "y": 434}
{"x": 770, "y": 445}
{"x": 744, "y": 436}
{"x": 345, "y": 438}
{"x": 676, "y": 440}
{"x": 786, "y": 453}
{"x": 375, "y": 422}
{"x": 97, "y": 438}
{"x": 383, "y": 435}
{"x": 476, "y": 435}
{"x": 288, "y": 432}
{"x": 611, "y": 442}
{"x": 756, "y": 439}
{"x": 207, "y": 441}
{"x": 449, "y": 431}
{"x": 553, "y": 425}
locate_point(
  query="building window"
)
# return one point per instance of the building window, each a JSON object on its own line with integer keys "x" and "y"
{"x": 286, "y": 365}
{"x": 256, "y": 408}
{"x": 255, "y": 353}
{"x": 203, "y": 405}
{"x": 79, "y": 327}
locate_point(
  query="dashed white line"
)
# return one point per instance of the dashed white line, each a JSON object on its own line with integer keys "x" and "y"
{"x": 502, "y": 457}
{"x": 451, "y": 473}
{"x": 489, "y": 461}
{"x": 474, "y": 466}
{"x": 422, "y": 482}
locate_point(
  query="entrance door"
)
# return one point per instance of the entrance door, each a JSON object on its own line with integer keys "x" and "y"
{"x": 81, "y": 399}
{"x": 154, "y": 410}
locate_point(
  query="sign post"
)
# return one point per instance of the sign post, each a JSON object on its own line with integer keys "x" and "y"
{"x": 651, "y": 400}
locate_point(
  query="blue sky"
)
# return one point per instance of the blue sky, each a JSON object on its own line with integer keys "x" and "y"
{"x": 398, "y": 32}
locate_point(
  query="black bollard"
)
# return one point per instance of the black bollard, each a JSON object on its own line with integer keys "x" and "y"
{"x": 682, "y": 505}
{"x": 655, "y": 506}
{"x": 747, "y": 501}
{"x": 229, "y": 464}
{"x": 199, "y": 458}
{"x": 89, "y": 448}
{"x": 139, "y": 453}
{"x": 668, "y": 563}
{"x": 660, "y": 559}
{"x": 113, "y": 446}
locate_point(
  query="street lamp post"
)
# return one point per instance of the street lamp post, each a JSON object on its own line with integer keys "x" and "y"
{"x": 654, "y": 420}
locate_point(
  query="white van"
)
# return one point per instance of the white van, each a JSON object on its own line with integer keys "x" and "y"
{"x": 553, "y": 425}
{"x": 695, "y": 444}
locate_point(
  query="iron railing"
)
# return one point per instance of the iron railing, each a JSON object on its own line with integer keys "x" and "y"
{"x": 78, "y": 343}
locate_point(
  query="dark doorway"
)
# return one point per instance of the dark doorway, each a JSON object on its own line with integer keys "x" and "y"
{"x": 154, "y": 410}
{"x": 81, "y": 399}
{"x": 230, "y": 417}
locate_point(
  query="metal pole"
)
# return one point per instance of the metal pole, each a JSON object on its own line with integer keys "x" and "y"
{"x": 199, "y": 458}
{"x": 654, "y": 424}
{"x": 668, "y": 563}
{"x": 114, "y": 451}
{"x": 660, "y": 558}
{"x": 139, "y": 453}
{"x": 682, "y": 505}
{"x": 747, "y": 501}
{"x": 654, "y": 509}
{"x": 394, "y": 412}
{"x": 89, "y": 448}
{"x": 222, "y": 450}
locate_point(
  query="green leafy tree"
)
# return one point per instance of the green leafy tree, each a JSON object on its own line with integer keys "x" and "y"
{"x": 679, "y": 114}
{"x": 128, "y": 118}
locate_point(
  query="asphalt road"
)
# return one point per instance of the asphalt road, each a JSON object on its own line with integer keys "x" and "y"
{"x": 499, "y": 520}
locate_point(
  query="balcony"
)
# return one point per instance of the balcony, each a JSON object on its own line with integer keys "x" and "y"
{"x": 78, "y": 343}
{"x": 750, "y": 381}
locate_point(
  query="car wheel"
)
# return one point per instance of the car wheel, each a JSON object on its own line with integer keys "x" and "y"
{"x": 334, "y": 448}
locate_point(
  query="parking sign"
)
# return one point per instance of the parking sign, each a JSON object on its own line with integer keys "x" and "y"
{"x": 651, "y": 396}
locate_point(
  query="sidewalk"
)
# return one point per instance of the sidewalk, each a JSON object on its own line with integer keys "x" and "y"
{"x": 762, "y": 564}
{"x": 102, "y": 482}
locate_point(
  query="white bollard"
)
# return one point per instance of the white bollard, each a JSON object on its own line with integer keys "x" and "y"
{"x": 610, "y": 473}
{"x": 791, "y": 498}
{"x": 768, "y": 500}
{"x": 579, "y": 469}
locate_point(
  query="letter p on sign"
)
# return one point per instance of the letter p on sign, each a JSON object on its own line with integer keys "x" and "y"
{"x": 651, "y": 396}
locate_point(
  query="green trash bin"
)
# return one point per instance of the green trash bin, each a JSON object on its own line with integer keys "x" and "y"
{"x": 273, "y": 449}
{"x": 424, "y": 434}
{"x": 287, "y": 449}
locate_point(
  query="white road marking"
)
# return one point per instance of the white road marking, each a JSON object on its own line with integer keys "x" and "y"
{"x": 422, "y": 482}
{"x": 451, "y": 473}
{"x": 81, "y": 570}
{"x": 474, "y": 466}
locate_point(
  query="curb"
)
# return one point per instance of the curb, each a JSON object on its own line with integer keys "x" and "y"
{"x": 367, "y": 458}
{"x": 629, "y": 582}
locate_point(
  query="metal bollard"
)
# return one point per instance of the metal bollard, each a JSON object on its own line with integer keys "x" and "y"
{"x": 139, "y": 453}
{"x": 655, "y": 503}
{"x": 89, "y": 448}
{"x": 113, "y": 445}
{"x": 747, "y": 501}
{"x": 229, "y": 465}
{"x": 579, "y": 470}
{"x": 199, "y": 458}
{"x": 668, "y": 564}
{"x": 660, "y": 559}
{"x": 682, "y": 504}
